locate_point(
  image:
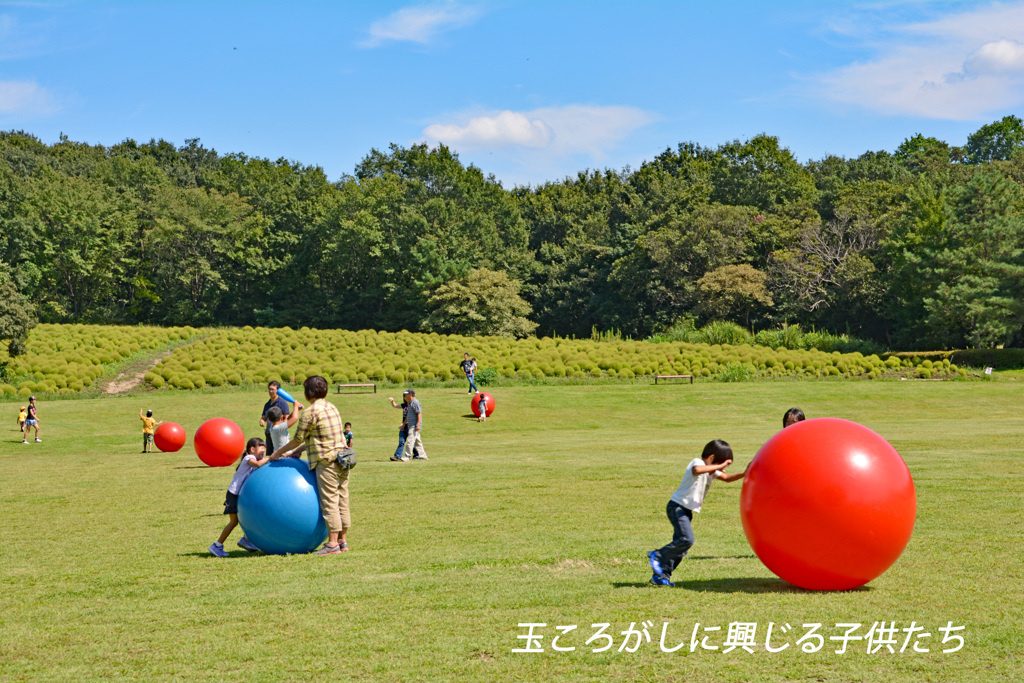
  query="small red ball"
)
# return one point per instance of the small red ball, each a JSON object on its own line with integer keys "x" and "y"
{"x": 169, "y": 437}
{"x": 474, "y": 403}
{"x": 828, "y": 504}
{"x": 219, "y": 442}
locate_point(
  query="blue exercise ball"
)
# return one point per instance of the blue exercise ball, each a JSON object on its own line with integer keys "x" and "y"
{"x": 279, "y": 509}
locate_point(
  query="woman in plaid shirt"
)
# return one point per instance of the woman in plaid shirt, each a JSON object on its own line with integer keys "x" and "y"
{"x": 321, "y": 431}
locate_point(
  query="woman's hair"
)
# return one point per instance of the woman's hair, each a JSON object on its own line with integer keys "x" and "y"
{"x": 274, "y": 414}
{"x": 795, "y": 414}
{"x": 253, "y": 443}
{"x": 315, "y": 387}
{"x": 718, "y": 448}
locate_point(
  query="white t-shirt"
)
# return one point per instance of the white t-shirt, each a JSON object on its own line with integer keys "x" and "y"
{"x": 691, "y": 492}
{"x": 279, "y": 435}
{"x": 242, "y": 473}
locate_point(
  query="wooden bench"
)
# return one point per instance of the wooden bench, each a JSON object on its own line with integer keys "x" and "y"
{"x": 657, "y": 377}
{"x": 365, "y": 384}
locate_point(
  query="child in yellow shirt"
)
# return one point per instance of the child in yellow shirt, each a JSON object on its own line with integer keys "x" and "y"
{"x": 148, "y": 427}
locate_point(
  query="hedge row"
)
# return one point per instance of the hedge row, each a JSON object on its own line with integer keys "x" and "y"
{"x": 62, "y": 359}
{"x": 255, "y": 355}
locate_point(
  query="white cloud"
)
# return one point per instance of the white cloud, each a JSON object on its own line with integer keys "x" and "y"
{"x": 964, "y": 66}
{"x": 25, "y": 97}
{"x": 419, "y": 24}
{"x": 505, "y": 128}
{"x": 1001, "y": 56}
{"x": 556, "y": 131}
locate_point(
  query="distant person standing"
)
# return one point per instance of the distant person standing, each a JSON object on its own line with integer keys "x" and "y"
{"x": 468, "y": 366}
{"x": 274, "y": 402}
{"x": 397, "y": 457}
{"x": 413, "y": 427}
{"x": 31, "y": 420}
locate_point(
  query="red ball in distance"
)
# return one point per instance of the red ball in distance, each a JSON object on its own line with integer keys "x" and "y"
{"x": 828, "y": 504}
{"x": 474, "y": 403}
{"x": 169, "y": 437}
{"x": 219, "y": 442}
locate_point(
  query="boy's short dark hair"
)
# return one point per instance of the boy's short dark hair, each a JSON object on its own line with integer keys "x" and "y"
{"x": 149, "y": 413}
{"x": 315, "y": 387}
{"x": 275, "y": 384}
{"x": 348, "y": 424}
{"x": 275, "y": 414}
{"x": 720, "y": 449}
{"x": 254, "y": 443}
{"x": 795, "y": 413}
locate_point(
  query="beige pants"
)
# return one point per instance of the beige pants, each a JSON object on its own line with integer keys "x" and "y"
{"x": 332, "y": 482}
{"x": 413, "y": 443}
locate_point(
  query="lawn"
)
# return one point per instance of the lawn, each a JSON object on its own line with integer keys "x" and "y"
{"x": 542, "y": 514}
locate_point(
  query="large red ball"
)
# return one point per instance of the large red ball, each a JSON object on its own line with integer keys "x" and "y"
{"x": 219, "y": 442}
{"x": 828, "y": 504}
{"x": 169, "y": 437}
{"x": 474, "y": 403}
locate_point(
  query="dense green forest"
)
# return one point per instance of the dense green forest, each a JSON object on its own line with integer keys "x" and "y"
{"x": 920, "y": 248}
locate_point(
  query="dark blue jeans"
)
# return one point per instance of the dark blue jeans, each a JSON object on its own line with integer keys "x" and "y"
{"x": 682, "y": 537}
{"x": 472, "y": 384}
{"x": 401, "y": 443}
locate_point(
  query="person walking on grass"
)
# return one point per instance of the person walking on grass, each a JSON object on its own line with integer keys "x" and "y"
{"x": 468, "y": 366}
{"x": 148, "y": 427}
{"x": 255, "y": 456}
{"x": 413, "y": 426}
{"x": 321, "y": 431}
{"x": 31, "y": 420}
{"x": 401, "y": 429}
{"x": 685, "y": 501}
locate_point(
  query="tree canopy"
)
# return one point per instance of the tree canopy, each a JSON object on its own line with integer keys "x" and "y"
{"x": 918, "y": 247}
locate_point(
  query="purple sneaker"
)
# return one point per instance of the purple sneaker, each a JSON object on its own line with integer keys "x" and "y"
{"x": 246, "y": 544}
{"x": 218, "y": 550}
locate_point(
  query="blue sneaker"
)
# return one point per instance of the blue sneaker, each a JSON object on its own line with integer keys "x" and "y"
{"x": 652, "y": 557}
{"x": 659, "y": 580}
{"x": 245, "y": 543}
{"x": 218, "y": 550}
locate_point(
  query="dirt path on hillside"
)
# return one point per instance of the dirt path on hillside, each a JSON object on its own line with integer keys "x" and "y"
{"x": 132, "y": 376}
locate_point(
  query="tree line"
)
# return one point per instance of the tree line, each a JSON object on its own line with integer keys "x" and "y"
{"x": 919, "y": 248}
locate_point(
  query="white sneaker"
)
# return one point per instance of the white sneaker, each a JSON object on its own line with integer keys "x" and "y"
{"x": 38, "y": 440}
{"x": 420, "y": 457}
{"x": 24, "y": 440}
{"x": 405, "y": 458}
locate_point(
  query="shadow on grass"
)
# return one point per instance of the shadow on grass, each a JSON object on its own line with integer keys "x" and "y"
{"x": 737, "y": 585}
{"x": 192, "y": 467}
{"x": 232, "y": 554}
{"x": 471, "y": 416}
{"x": 691, "y": 558}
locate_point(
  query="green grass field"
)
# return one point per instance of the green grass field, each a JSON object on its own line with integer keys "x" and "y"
{"x": 542, "y": 514}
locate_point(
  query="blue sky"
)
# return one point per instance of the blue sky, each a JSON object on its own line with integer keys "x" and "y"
{"x": 528, "y": 91}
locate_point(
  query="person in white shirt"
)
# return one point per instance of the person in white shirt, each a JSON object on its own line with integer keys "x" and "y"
{"x": 278, "y": 425}
{"x": 688, "y": 499}
{"x": 255, "y": 456}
